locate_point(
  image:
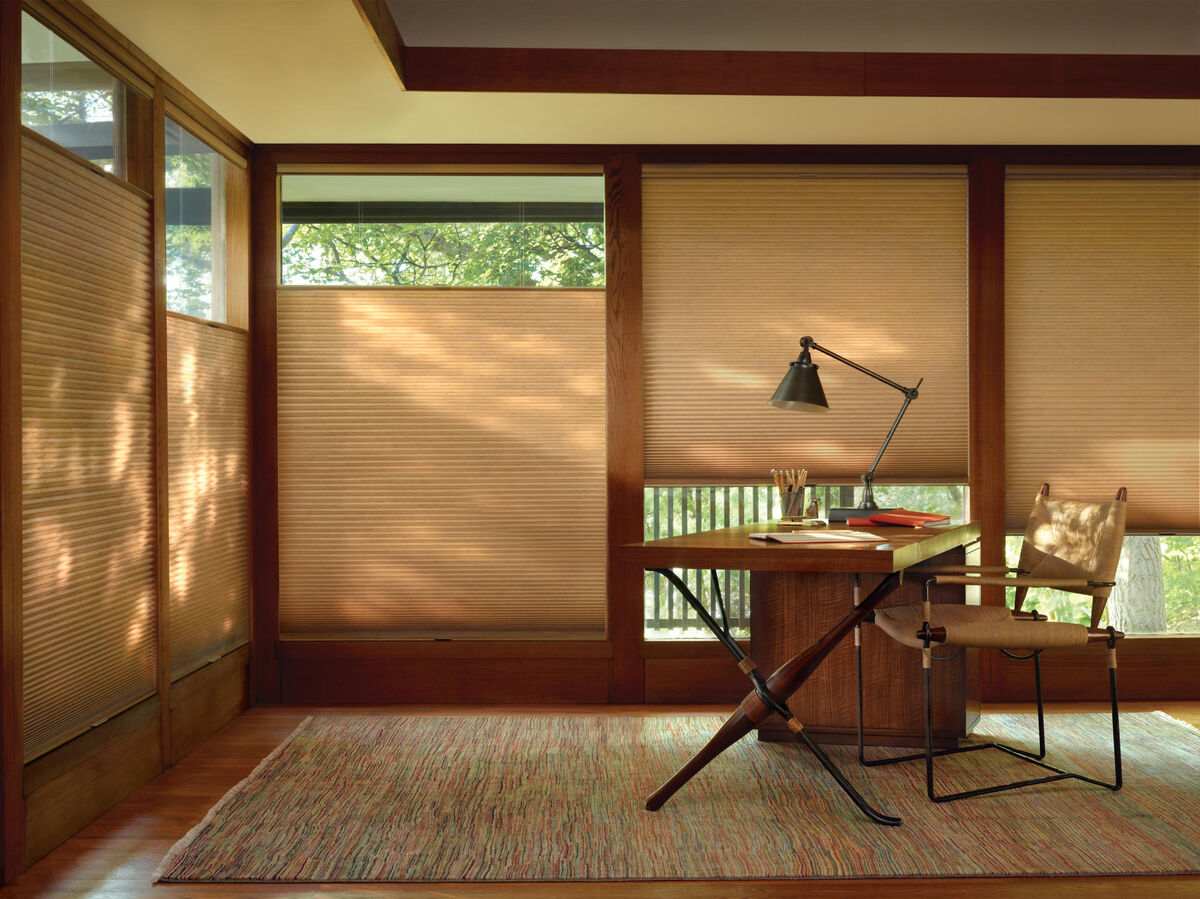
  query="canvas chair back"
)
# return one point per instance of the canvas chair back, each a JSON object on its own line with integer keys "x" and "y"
{"x": 1070, "y": 539}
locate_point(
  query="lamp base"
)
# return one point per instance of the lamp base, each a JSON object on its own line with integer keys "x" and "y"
{"x": 843, "y": 514}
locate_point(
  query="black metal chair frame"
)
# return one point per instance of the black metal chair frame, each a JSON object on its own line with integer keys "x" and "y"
{"x": 1023, "y": 754}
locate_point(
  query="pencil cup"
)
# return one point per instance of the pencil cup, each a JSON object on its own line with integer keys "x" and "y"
{"x": 792, "y": 503}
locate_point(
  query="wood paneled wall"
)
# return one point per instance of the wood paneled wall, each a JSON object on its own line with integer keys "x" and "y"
{"x": 12, "y": 755}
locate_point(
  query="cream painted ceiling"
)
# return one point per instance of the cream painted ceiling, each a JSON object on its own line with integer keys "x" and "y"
{"x": 308, "y": 71}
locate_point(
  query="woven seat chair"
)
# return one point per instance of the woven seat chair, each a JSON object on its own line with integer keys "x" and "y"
{"x": 1070, "y": 546}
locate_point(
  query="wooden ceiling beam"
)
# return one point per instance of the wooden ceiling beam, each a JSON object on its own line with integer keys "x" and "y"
{"x": 378, "y": 19}
{"x": 536, "y": 70}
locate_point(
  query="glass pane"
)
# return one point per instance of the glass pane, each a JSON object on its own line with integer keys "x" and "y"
{"x": 68, "y": 98}
{"x": 195, "y": 213}
{"x": 1158, "y": 588}
{"x": 443, "y": 230}
{"x": 944, "y": 499}
{"x": 1181, "y": 583}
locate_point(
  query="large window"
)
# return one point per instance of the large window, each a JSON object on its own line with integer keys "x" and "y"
{"x": 68, "y": 99}
{"x": 1103, "y": 260}
{"x": 195, "y": 213}
{"x": 443, "y": 230}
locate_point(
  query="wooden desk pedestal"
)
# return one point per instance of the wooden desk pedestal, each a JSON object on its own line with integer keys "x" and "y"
{"x": 792, "y": 609}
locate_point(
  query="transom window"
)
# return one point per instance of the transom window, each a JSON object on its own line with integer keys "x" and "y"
{"x": 443, "y": 230}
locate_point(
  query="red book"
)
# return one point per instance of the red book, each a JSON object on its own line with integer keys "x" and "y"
{"x": 908, "y": 518}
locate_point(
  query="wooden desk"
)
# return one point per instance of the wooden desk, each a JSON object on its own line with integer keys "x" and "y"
{"x": 802, "y": 609}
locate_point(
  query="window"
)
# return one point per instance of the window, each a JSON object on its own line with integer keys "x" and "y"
{"x": 443, "y": 230}
{"x": 740, "y": 262}
{"x": 682, "y": 510}
{"x": 195, "y": 213}
{"x": 68, "y": 99}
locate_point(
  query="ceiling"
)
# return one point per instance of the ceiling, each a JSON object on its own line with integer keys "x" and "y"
{"x": 309, "y": 71}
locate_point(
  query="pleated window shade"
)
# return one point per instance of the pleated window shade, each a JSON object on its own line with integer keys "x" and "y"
{"x": 441, "y": 463}
{"x": 741, "y": 262}
{"x": 209, "y": 472}
{"x": 1102, "y": 325}
{"x": 88, "y": 613}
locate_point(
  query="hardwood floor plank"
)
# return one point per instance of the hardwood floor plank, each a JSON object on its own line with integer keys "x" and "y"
{"x": 117, "y": 854}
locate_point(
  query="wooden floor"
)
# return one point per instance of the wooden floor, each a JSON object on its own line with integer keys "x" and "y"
{"x": 116, "y": 855}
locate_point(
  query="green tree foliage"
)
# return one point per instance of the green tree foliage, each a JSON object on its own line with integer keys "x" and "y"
{"x": 190, "y": 246}
{"x": 41, "y": 110}
{"x": 491, "y": 254}
{"x": 1181, "y": 583}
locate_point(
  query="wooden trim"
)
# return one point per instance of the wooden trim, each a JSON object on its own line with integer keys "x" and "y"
{"x": 985, "y": 329}
{"x": 549, "y": 158}
{"x": 223, "y": 326}
{"x": 623, "y": 336}
{"x": 207, "y": 699}
{"x": 1087, "y": 155}
{"x": 376, "y": 650}
{"x": 78, "y": 22}
{"x": 237, "y": 248}
{"x": 687, "y": 649}
{"x": 12, "y": 801}
{"x": 162, "y": 561}
{"x": 1031, "y": 75}
{"x": 694, "y": 680}
{"x": 139, "y": 140}
{"x": 378, "y": 19}
{"x": 549, "y": 70}
{"x": 321, "y": 158}
{"x": 1148, "y": 668}
{"x": 80, "y": 780}
{"x": 399, "y": 679}
{"x": 782, "y": 73}
{"x": 264, "y": 437}
{"x": 183, "y": 111}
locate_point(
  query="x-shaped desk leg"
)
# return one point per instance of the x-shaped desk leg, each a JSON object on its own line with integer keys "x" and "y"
{"x": 763, "y": 700}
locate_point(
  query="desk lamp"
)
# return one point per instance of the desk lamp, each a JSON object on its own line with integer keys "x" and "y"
{"x": 801, "y": 390}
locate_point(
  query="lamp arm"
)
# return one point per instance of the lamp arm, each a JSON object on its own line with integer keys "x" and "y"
{"x": 809, "y": 343}
{"x": 910, "y": 394}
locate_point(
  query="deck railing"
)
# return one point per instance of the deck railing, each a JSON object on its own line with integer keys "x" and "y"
{"x": 683, "y": 510}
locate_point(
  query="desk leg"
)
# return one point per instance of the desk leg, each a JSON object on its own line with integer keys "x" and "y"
{"x": 763, "y": 701}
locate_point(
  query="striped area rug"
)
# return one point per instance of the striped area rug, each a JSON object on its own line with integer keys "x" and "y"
{"x": 357, "y": 799}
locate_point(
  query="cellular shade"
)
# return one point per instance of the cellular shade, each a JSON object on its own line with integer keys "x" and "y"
{"x": 208, "y": 465}
{"x": 741, "y": 262}
{"x": 441, "y": 463}
{"x": 1102, "y": 330}
{"x": 88, "y": 614}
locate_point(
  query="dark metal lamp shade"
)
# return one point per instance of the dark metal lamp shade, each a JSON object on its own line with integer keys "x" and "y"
{"x": 801, "y": 388}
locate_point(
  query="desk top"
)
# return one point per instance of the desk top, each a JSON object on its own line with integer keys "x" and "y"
{"x": 733, "y": 548}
